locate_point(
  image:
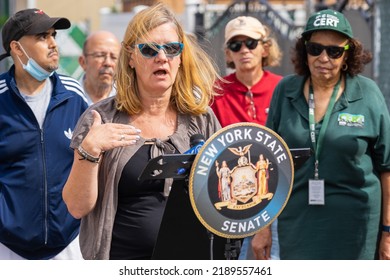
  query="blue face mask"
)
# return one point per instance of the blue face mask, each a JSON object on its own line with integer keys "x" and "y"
{"x": 34, "y": 69}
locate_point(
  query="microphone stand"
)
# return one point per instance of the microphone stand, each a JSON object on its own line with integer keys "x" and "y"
{"x": 211, "y": 238}
{"x": 232, "y": 249}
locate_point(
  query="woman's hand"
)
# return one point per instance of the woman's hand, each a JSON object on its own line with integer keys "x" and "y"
{"x": 104, "y": 137}
{"x": 384, "y": 246}
{"x": 261, "y": 244}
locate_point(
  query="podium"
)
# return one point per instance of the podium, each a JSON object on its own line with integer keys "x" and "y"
{"x": 181, "y": 235}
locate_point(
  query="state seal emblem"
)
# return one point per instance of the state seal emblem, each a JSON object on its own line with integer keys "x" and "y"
{"x": 241, "y": 180}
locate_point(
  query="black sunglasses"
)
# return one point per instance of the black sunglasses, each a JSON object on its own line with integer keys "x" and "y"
{"x": 334, "y": 52}
{"x": 250, "y": 105}
{"x": 236, "y": 45}
{"x": 150, "y": 50}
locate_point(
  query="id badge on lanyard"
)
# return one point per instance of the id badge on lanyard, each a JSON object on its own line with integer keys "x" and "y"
{"x": 316, "y": 189}
{"x": 317, "y": 185}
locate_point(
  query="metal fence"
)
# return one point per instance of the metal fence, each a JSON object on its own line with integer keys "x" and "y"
{"x": 382, "y": 47}
{"x": 370, "y": 27}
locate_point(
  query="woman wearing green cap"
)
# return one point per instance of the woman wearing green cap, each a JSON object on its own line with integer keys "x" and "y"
{"x": 339, "y": 207}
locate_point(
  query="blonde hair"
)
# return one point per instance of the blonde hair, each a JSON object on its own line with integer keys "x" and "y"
{"x": 271, "y": 46}
{"x": 193, "y": 88}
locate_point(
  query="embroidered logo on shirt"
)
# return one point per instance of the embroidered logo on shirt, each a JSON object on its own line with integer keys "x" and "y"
{"x": 68, "y": 133}
{"x": 346, "y": 119}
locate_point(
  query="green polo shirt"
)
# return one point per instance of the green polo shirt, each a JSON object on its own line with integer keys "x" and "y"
{"x": 355, "y": 150}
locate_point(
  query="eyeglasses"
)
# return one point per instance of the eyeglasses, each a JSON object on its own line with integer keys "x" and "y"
{"x": 150, "y": 50}
{"x": 334, "y": 52}
{"x": 102, "y": 56}
{"x": 250, "y": 105}
{"x": 235, "y": 46}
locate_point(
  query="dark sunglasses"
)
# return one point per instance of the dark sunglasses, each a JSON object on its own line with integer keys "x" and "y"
{"x": 250, "y": 105}
{"x": 150, "y": 50}
{"x": 316, "y": 49}
{"x": 235, "y": 46}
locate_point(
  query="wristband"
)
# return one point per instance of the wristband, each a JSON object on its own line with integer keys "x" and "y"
{"x": 85, "y": 155}
{"x": 385, "y": 228}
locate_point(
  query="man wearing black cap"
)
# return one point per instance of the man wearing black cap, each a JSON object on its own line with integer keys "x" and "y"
{"x": 38, "y": 112}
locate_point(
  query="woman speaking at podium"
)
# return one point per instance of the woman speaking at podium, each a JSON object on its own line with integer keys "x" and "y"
{"x": 164, "y": 85}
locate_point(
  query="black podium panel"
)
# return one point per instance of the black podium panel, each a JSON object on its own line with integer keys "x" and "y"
{"x": 181, "y": 235}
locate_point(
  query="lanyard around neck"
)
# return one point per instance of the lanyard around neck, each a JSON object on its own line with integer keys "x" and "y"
{"x": 317, "y": 143}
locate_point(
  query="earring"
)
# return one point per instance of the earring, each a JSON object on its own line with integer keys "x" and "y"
{"x": 344, "y": 67}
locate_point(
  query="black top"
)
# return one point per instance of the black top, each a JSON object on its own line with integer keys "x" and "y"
{"x": 140, "y": 210}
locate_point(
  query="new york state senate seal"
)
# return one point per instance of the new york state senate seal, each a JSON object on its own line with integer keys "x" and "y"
{"x": 241, "y": 180}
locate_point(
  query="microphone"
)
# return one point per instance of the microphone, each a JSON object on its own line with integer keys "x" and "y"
{"x": 196, "y": 142}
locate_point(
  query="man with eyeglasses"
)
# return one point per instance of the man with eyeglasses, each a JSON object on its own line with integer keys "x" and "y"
{"x": 247, "y": 94}
{"x": 99, "y": 60}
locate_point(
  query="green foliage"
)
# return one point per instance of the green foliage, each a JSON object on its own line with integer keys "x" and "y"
{"x": 3, "y": 19}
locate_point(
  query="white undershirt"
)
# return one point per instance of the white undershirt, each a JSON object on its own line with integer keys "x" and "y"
{"x": 40, "y": 101}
